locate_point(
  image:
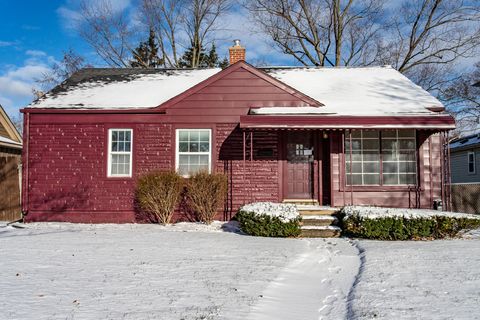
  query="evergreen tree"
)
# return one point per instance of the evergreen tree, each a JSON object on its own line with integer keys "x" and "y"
{"x": 146, "y": 54}
{"x": 209, "y": 60}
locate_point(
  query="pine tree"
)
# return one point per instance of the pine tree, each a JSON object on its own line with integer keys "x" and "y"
{"x": 146, "y": 54}
{"x": 209, "y": 60}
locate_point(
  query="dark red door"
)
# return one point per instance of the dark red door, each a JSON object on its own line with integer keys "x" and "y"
{"x": 299, "y": 165}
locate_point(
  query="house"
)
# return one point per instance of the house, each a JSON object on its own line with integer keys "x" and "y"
{"x": 330, "y": 136}
{"x": 10, "y": 156}
{"x": 465, "y": 173}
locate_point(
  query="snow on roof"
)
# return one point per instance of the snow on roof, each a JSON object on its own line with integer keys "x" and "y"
{"x": 359, "y": 91}
{"x": 10, "y": 141}
{"x": 344, "y": 91}
{"x": 121, "y": 88}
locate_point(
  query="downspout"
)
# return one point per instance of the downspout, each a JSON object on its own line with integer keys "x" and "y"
{"x": 25, "y": 166}
{"x": 251, "y": 164}
{"x": 442, "y": 167}
{"x": 449, "y": 174}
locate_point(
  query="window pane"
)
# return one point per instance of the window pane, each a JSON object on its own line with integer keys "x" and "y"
{"x": 183, "y": 135}
{"x": 390, "y": 156}
{"x": 204, "y": 147}
{"x": 407, "y": 156}
{"x": 371, "y": 156}
{"x": 407, "y": 144}
{"x": 355, "y": 134}
{"x": 407, "y": 167}
{"x": 204, "y": 160}
{"x": 127, "y": 146}
{"x": 114, "y": 146}
{"x": 407, "y": 178}
{"x": 370, "y": 134}
{"x": 357, "y": 179}
{"x": 194, "y": 147}
{"x": 370, "y": 144}
{"x": 390, "y": 179}
{"x": 389, "y": 144}
{"x": 121, "y": 135}
{"x": 204, "y": 136}
{"x": 390, "y": 167}
{"x": 194, "y": 136}
{"x": 389, "y": 134}
{"x": 406, "y": 133}
{"x": 183, "y": 169}
{"x": 371, "y": 179}
{"x": 371, "y": 167}
{"x": 114, "y": 135}
{"x": 182, "y": 159}
{"x": 183, "y": 147}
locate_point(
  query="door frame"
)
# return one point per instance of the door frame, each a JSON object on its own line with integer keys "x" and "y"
{"x": 284, "y": 164}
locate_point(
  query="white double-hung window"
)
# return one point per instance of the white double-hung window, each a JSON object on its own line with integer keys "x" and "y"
{"x": 120, "y": 152}
{"x": 193, "y": 151}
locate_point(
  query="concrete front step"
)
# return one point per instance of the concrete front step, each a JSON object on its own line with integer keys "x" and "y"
{"x": 318, "y": 220}
{"x": 313, "y": 212}
{"x": 302, "y": 202}
{"x": 320, "y": 232}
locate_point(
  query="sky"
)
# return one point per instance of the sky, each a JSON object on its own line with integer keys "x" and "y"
{"x": 34, "y": 34}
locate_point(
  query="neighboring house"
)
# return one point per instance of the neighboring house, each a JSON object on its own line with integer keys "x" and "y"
{"x": 331, "y": 136}
{"x": 465, "y": 173}
{"x": 10, "y": 156}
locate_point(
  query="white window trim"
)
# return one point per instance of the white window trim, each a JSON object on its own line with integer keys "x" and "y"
{"x": 474, "y": 162}
{"x": 109, "y": 162}
{"x": 177, "y": 145}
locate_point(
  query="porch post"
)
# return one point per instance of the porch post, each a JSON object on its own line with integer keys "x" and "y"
{"x": 344, "y": 178}
{"x": 243, "y": 173}
{"x": 351, "y": 167}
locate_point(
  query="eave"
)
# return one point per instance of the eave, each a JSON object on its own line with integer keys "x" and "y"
{"x": 438, "y": 122}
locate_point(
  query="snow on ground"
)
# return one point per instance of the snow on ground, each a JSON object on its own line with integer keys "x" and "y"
{"x": 186, "y": 271}
{"x": 316, "y": 286}
{"x": 418, "y": 280}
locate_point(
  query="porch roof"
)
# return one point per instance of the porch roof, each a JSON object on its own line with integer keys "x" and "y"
{"x": 440, "y": 122}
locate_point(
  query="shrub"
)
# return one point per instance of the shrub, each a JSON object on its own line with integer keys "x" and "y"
{"x": 269, "y": 220}
{"x": 405, "y": 226}
{"x": 158, "y": 193}
{"x": 205, "y": 193}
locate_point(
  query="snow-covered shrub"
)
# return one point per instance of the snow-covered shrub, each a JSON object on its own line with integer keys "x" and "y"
{"x": 206, "y": 193}
{"x": 158, "y": 193}
{"x": 404, "y": 224}
{"x": 267, "y": 219}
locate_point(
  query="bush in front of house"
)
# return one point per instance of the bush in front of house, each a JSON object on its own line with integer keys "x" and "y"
{"x": 205, "y": 194}
{"x": 404, "y": 224}
{"x": 158, "y": 193}
{"x": 267, "y": 219}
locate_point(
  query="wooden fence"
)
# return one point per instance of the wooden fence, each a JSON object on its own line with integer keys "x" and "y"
{"x": 466, "y": 197}
{"x": 9, "y": 189}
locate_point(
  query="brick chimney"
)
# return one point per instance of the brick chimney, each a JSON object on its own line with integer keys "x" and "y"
{"x": 237, "y": 52}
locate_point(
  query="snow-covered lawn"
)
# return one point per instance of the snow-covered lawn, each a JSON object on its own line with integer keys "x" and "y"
{"x": 191, "y": 271}
{"x": 418, "y": 280}
{"x": 68, "y": 271}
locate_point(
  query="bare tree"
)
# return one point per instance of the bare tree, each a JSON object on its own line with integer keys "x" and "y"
{"x": 59, "y": 71}
{"x": 108, "y": 32}
{"x": 196, "y": 20}
{"x": 326, "y": 32}
{"x": 164, "y": 17}
{"x": 462, "y": 97}
{"x": 429, "y": 36}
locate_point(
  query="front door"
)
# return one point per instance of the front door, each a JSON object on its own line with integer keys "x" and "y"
{"x": 299, "y": 165}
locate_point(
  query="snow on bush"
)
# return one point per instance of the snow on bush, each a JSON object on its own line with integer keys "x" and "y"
{"x": 267, "y": 219}
{"x": 376, "y": 213}
{"x": 405, "y": 224}
{"x": 284, "y": 211}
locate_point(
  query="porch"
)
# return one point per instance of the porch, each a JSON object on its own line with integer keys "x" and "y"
{"x": 328, "y": 161}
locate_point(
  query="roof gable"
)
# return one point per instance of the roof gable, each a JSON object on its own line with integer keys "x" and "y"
{"x": 9, "y": 134}
{"x": 251, "y": 76}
